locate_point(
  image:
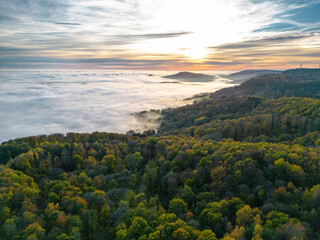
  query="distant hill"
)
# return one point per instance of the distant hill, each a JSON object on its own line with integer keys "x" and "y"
{"x": 191, "y": 77}
{"x": 240, "y": 77}
{"x": 290, "y": 83}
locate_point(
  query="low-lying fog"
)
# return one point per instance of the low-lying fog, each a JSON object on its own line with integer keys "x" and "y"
{"x": 34, "y": 102}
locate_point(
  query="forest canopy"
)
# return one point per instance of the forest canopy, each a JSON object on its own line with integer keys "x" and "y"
{"x": 245, "y": 165}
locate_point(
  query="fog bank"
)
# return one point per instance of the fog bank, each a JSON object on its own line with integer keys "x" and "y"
{"x": 34, "y": 102}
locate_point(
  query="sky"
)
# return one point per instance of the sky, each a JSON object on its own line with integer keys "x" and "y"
{"x": 159, "y": 34}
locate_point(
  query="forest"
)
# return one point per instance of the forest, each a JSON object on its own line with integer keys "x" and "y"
{"x": 243, "y": 164}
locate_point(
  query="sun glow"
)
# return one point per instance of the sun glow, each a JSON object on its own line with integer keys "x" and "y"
{"x": 196, "y": 53}
{"x": 207, "y": 23}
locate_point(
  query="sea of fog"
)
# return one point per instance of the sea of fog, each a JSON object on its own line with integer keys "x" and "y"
{"x": 34, "y": 102}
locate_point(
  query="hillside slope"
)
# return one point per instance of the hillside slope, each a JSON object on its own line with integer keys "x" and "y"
{"x": 242, "y": 76}
{"x": 290, "y": 83}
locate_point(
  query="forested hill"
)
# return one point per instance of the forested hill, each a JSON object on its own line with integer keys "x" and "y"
{"x": 244, "y": 164}
{"x": 247, "y": 118}
{"x": 278, "y": 100}
{"x": 242, "y": 76}
{"x": 290, "y": 83}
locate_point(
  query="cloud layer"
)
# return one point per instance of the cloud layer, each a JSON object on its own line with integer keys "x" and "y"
{"x": 158, "y": 34}
{"x": 47, "y": 101}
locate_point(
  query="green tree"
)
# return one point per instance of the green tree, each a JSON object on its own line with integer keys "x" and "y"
{"x": 154, "y": 236}
{"x": 105, "y": 215}
{"x": 77, "y": 161}
{"x": 122, "y": 234}
{"x": 90, "y": 218}
{"x": 34, "y": 230}
{"x": 137, "y": 160}
{"x": 210, "y": 218}
{"x": 137, "y": 227}
{"x": 207, "y": 235}
{"x": 187, "y": 195}
{"x": 244, "y": 215}
{"x": 111, "y": 163}
{"x": 181, "y": 234}
{"x": 72, "y": 223}
{"x": 8, "y": 229}
{"x": 177, "y": 206}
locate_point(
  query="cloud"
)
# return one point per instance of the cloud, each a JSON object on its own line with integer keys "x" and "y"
{"x": 223, "y": 63}
{"x": 118, "y": 40}
{"x": 5, "y": 18}
{"x": 305, "y": 14}
{"x": 10, "y": 61}
{"x": 279, "y": 27}
{"x": 65, "y": 23}
{"x": 50, "y": 101}
{"x": 153, "y": 35}
{"x": 263, "y": 42}
{"x": 274, "y": 52}
{"x": 13, "y": 49}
